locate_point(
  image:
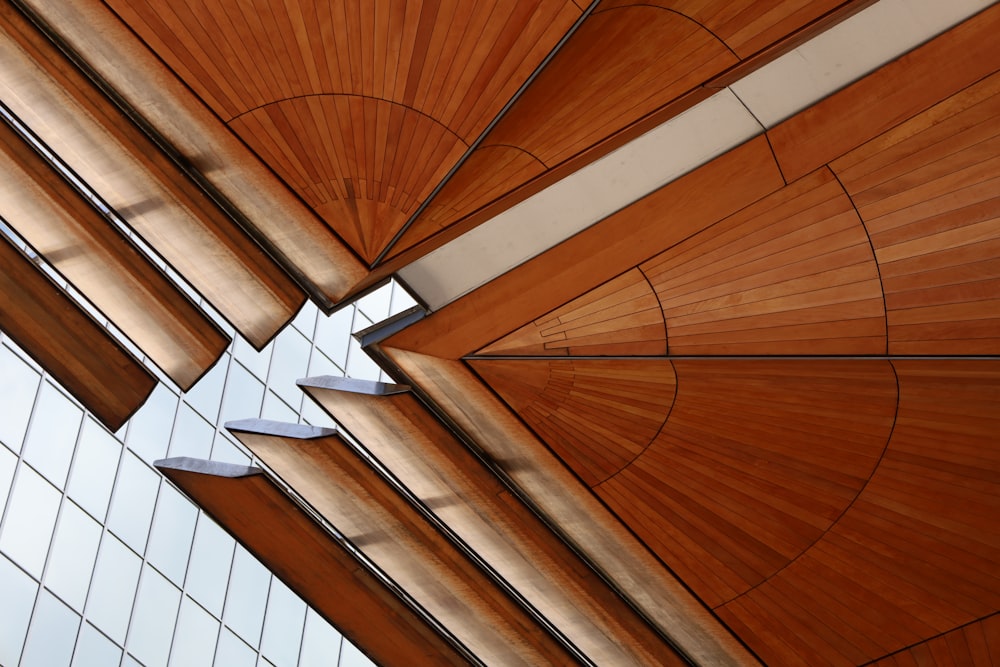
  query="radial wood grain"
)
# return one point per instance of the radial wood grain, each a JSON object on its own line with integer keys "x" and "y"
{"x": 929, "y": 194}
{"x": 792, "y": 274}
{"x": 596, "y": 415}
{"x": 621, "y": 317}
{"x": 974, "y": 645}
{"x": 621, "y": 64}
{"x": 915, "y": 555}
{"x": 420, "y": 80}
{"x": 888, "y": 96}
{"x": 754, "y": 463}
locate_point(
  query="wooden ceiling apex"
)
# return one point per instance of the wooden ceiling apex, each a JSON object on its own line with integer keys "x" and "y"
{"x": 77, "y": 351}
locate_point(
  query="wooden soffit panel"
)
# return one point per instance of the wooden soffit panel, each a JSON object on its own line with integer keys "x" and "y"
{"x": 362, "y": 108}
{"x": 320, "y": 569}
{"x": 79, "y": 353}
{"x": 303, "y": 243}
{"x": 114, "y": 157}
{"x": 467, "y": 496}
{"x": 75, "y": 239}
{"x": 398, "y": 538}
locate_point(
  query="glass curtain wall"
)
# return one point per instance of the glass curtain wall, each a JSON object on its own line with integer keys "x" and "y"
{"x": 103, "y": 562}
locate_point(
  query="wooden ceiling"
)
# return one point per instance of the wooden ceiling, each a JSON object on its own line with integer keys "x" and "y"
{"x": 781, "y": 371}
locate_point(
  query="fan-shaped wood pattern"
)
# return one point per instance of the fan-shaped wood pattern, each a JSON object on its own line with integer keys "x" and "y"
{"x": 973, "y": 645}
{"x": 596, "y": 414}
{"x": 929, "y": 194}
{"x": 919, "y": 546}
{"x": 755, "y": 462}
{"x": 621, "y": 317}
{"x": 792, "y": 274}
{"x": 359, "y": 162}
{"x": 455, "y": 63}
{"x": 621, "y": 64}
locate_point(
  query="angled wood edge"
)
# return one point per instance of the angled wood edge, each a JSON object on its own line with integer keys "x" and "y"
{"x": 561, "y": 500}
{"x": 399, "y": 537}
{"x": 469, "y": 497}
{"x": 304, "y": 245}
{"x": 77, "y": 351}
{"x": 323, "y": 571}
{"x": 142, "y": 183}
{"x": 101, "y": 263}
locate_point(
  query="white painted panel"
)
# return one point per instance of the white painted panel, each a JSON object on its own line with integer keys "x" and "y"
{"x": 846, "y": 52}
{"x": 571, "y": 205}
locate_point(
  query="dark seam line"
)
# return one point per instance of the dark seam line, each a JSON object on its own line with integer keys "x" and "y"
{"x": 482, "y": 135}
{"x": 681, "y": 14}
{"x": 517, "y": 148}
{"x": 878, "y": 268}
{"x": 840, "y": 516}
{"x": 929, "y": 639}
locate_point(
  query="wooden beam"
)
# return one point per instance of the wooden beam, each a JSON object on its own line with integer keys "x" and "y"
{"x": 322, "y": 570}
{"x": 464, "y": 493}
{"x": 368, "y": 510}
{"x": 78, "y": 352}
{"x": 113, "y": 156}
{"x": 100, "y": 262}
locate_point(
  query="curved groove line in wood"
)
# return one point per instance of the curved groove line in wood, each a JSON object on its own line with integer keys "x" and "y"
{"x": 903, "y": 551}
{"x": 620, "y": 317}
{"x": 975, "y": 644}
{"x": 458, "y": 63}
{"x": 596, "y": 415}
{"x": 753, "y": 464}
{"x": 791, "y": 274}
{"x": 620, "y": 65}
{"x": 929, "y": 194}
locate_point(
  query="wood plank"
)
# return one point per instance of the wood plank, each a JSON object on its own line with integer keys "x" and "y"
{"x": 321, "y": 570}
{"x": 78, "y": 352}
{"x": 102, "y": 264}
{"x": 888, "y": 96}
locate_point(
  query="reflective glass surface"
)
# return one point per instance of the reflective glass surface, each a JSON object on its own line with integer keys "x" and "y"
{"x": 172, "y": 533}
{"x": 51, "y": 635}
{"x": 15, "y": 612}
{"x": 153, "y": 619}
{"x": 211, "y": 558}
{"x": 243, "y": 397}
{"x": 233, "y": 651}
{"x": 247, "y": 597}
{"x": 290, "y": 362}
{"x": 51, "y": 437}
{"x": 192, "y": 434}
{"x": 320, "y": 642}
{"x": 149, "y": 428}
{"x": 94, "y": 469}
{"x": 133, "y": 502}
{"x": 94, "y": 649}
{"x": 17, "y": 395}
{"x": 282, "y": 626}
{"x": 31, "y": 516}
{"x": 7, "y": 463}
{"x": 195, "y": 636}
{"x": 109, "y": 604}
{"x": 74, "y": 551}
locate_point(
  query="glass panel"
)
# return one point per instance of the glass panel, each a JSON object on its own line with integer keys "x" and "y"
{"x": 401, "y": 299}
{"x": 254, "y": 361}
{"x": 133, "y": 503}
{"x": 290, "y": 362}
{"x": 153, "y": 619}
{"x": 94, "y": 469}
{"x": 315, "y": 415}
{"x": 276, "y": 409}
{"x": 228, "y": 451}
{"x": 52, "y": 434}
{"x": 31, "y": 517}
{"x": 376, "y": 304}
{"x": 192, "y": 434}
{"x": 52, "y": 634}
{"x": 149, "y": 429}
{"x": 333, "y": 333}
{"x": 305, "y": 320}
{"x": 244, "y": 395}
{"x": 18, "y": 597}
{"x": 360, "y": 365}
{"x": 74, "y": 551}
{"x": 211, "y": 558}
{"x": 17, "y": 395}
{"x": 247, "y": 596}
{"x": 7, "y": 463}
{"x": 282, "y": 625}
{"x": 95, "y": 650}
{"x": 172, "y": 534}
{"x": 320, "y": 364}
{"x": 320, "y": 642}
{"x": 206, "y": 395}
{"x": 233, "y": 652}
{"x": 350, "y": 656}
{"x": 109, "y": 604}
{"x": 194, "y": 639}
